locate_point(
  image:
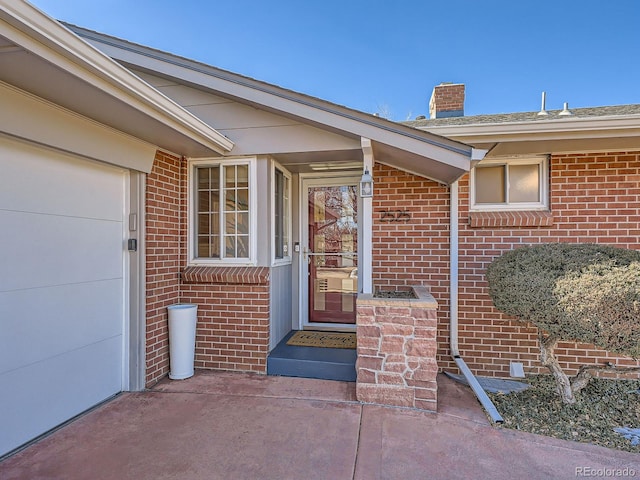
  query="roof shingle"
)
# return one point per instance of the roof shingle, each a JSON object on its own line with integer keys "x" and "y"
{"x": 590, "y": 112}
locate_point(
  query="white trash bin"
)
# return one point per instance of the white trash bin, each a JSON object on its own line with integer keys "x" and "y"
{"x": 182, "y": 340}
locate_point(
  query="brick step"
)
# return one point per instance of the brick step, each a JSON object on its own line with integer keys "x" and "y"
{"x": 312, "y": 362}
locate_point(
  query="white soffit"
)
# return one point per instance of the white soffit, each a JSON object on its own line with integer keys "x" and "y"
{"x": 41, "y": 56}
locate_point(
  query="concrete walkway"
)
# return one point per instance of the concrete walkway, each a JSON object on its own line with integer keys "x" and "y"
{"x": 239, "y": 426}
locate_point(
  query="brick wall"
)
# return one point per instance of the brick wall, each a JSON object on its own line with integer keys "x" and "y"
{"x": 594, "y": 198}
{"x": 163, "y": 242}
{"x": 233, "y": 304}
{"x": 233, "y": 316}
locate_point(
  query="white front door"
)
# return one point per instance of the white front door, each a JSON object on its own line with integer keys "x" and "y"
{"x": 62, "y": 288}
{"x": 329, "y": 280}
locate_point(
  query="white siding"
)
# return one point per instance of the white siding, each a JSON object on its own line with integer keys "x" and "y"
{"x": 254, "y": 131}
{"x": 281, "y": 308}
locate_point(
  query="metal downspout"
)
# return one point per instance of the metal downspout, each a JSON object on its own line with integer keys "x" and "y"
{"x": 482, "y": 396}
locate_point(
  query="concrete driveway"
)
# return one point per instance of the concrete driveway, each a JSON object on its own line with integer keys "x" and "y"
{"x": 240, "y": 426}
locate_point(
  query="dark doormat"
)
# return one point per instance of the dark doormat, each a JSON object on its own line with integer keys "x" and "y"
{"x": 323, "y": 339}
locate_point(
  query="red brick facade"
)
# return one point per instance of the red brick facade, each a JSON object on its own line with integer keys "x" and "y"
{"x": 163, "y": 257}
{"x": 233, "y": 325}
{"x": 593, "y": 198}
{"x": 233, "y": 304}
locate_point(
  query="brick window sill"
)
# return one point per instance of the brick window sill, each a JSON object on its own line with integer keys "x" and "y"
{"x": 510, "y": 219}
{"x": 226, "y": 275}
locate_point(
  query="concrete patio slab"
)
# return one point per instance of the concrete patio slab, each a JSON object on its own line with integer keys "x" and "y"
{"x": 244, "y": 426}
{"x": 409, "y": 444}
{"x": 251, "y": 385}
{"x": 187, "y": 436}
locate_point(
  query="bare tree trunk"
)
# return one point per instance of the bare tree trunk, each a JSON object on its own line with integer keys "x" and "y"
{"x": 563, "y": 384}
{"x": 581, "y": 380}
{"x": 585, "y": 374}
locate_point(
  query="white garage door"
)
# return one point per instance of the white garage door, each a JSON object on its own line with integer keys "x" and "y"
{"x": 61, "y": 288}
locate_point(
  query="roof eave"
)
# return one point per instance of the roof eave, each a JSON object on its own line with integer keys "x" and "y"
{"x": 309, "y": 109}
{"x": 572, "y": 128}
{"x": 51, "y": 41}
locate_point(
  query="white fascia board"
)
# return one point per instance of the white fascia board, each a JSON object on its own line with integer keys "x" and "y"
{"x": 286, "y": 101}
{"x": 607, "y": 126}
{"x": 45, "y": 37}
{"x": 41, "y": 122}
{"x": 478, "y": 154}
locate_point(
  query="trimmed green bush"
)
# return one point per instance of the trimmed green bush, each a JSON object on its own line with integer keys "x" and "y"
{"x": 601, "y": 305}
{"x": 574, "y": 292}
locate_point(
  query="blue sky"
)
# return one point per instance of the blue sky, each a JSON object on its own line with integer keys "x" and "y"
{"x": 386, "y": 56}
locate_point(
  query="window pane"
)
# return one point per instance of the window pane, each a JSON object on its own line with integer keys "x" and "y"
{"x": 203, "y": 224}
{"x": 243, "y": 199}
{"x": 215, "y": 178}
{"x": 286, "y": 220}
{"x": 524, "y": 183}
{"x": 230, "y": 223}
{"x": 204, "y": 205}
{"x": 278, "y": 214}
{"x": 243, "y": 246}
{"x": 214, "y": 242}
{"x": 243, "y": 176}
{"x": 203, "y": 179}
{"x": 242, "y": 223}
{"x": 215, "y": 223}
{"x": 203, "y": 246}
{"x": 489, "y": 184}
{"x": 230, "y": 198}
{"x": 215, "y": 201}
{"x": 230, "y": 247}
{"x": 230, "y": 176}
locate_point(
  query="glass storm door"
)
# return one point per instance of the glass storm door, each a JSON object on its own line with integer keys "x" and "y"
{"x": 332, "y": 253}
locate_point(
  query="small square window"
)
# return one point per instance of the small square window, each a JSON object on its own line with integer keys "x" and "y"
{"x": 221, "y": 211}
{"x": 511, "y": 184}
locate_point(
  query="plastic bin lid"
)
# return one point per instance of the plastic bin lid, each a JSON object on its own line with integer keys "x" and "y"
{"x": 181, "y": 306}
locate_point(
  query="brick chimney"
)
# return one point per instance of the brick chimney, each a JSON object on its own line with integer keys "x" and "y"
{"x": 447, "y": 100}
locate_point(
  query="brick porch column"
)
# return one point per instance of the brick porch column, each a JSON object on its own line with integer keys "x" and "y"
{"x": 396, "y": 362}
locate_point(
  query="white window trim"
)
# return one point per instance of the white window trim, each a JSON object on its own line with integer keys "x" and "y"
{"x": 253, "y": 214}
{"x": 543, "y": 165}
{"x": 287, "y": 259}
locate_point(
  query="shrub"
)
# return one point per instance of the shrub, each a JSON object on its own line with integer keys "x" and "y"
{"x": 601, "y": 305}
{"x": 575, "y": 292}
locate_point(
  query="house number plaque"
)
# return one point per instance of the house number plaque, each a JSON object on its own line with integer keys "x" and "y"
{"x": 395, "y": 216}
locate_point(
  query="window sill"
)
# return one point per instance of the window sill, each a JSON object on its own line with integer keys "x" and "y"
{"x": 510, "y": 219}
{"x": 226, "y": 275}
